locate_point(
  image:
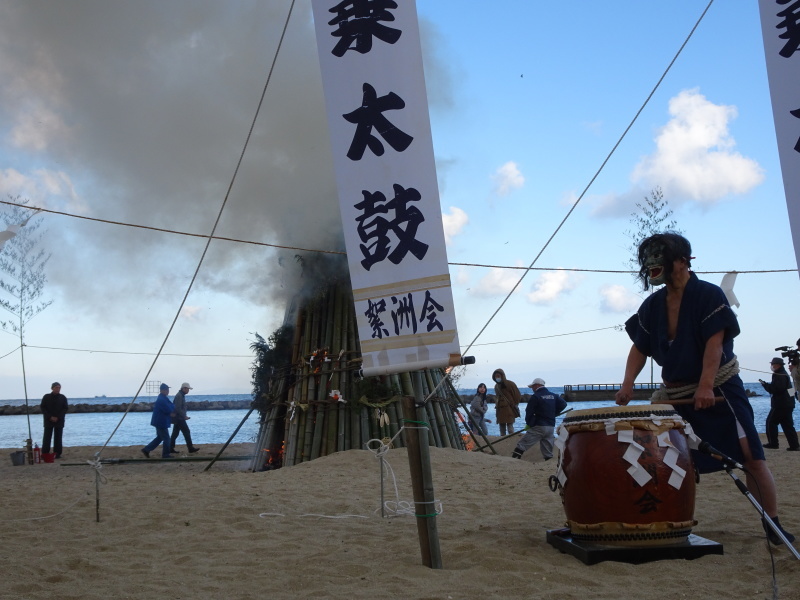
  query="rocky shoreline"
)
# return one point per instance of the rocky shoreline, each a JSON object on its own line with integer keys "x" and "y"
{"x": 138, "y": 407}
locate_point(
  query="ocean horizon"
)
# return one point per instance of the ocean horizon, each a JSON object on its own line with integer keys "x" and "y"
{"x": 216, "y": 426}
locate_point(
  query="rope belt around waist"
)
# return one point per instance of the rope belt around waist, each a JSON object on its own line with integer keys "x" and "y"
{"x": 670, "y": 392}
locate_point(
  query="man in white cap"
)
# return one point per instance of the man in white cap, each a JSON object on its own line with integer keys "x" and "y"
{"x": 540, "y": 417}
{"x": 179, "y": 421}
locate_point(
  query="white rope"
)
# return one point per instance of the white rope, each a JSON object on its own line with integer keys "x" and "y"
{"x": 397, "y": 507}
{"x": 664, "y": 395}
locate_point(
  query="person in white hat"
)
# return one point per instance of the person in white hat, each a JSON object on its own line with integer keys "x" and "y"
{"x": 540, "y": 417}
{"x": 179, "y": 421}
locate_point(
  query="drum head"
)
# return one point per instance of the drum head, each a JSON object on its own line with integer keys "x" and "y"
{"x": 638, "y": 411}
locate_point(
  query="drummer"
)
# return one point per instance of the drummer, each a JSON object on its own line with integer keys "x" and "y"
{"x": 687, "y": 327}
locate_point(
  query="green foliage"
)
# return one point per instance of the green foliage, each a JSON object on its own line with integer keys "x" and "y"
{"x": 653, "y": 216}
{"x": 272, "y": 357}
{"x": 22, "y": 266}
{"x": 375, "y": 390}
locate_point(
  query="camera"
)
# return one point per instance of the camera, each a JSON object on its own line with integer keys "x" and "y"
{"x": 792, "y": 355}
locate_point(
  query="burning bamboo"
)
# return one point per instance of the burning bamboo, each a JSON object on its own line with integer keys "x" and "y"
{"x": 312, "y": 402}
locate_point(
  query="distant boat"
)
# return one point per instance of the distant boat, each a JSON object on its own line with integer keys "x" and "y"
{"x": 103, "y": 396}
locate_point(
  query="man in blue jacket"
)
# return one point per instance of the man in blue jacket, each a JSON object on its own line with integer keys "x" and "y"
{"x": 163, "y": 411}
{"x": 540, "y": 416}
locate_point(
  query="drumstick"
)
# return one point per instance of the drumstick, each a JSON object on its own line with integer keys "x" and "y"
{"x": 688, "y": 400}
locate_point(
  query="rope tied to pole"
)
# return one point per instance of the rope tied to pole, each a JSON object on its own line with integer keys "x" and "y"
{"x": 398, "y": 507}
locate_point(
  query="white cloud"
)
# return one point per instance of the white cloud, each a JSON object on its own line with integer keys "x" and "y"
{"x": 618, "y": 299}
{"x": 462, "y": 276}
{"x": 191, "y": 313}
{"x": 497, "y": 282}
{"x": 695, "y": 157}
{"x": 36, "y": 128}
{"x": 551, "y": 285}
{"x": 507, "y": 179}
{"x": 43, "y": 187}
{"x": 453, "y": 223}
{"x": 694, "y": 160}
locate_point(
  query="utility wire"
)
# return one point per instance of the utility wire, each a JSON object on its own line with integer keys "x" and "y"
{"x": 323, "y": 251}
{"x": 214, "y": 228}
{"x": 544, "y": 337}
{"x": 592, "y": 180}
{"x": 136, "y": 353}
{"x": 10, "y": 353}
{"x": 172, "y": 231}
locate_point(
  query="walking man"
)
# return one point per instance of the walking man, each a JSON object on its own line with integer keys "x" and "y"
{"x": 179, "y": 421}
{"x": 163, "y": 411}
{"x": 54, "y": 409}
{"x": 540, "y": 417}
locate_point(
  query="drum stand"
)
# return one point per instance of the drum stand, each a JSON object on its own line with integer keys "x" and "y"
{"x": 743, "y": 488}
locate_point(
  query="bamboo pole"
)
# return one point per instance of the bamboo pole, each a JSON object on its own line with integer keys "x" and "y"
{"x": 308, "y": 433}
{"x": 319, "y": 421}
{"x": 422, "y": 482}
{"x": 301, "y": 434}
{"x": 365, "y": 427}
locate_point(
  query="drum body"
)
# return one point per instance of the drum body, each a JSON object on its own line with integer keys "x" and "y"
{"x": 627, "y": 477}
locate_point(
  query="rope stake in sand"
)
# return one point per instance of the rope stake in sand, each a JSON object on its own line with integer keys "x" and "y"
{"x": 396, "y": 507}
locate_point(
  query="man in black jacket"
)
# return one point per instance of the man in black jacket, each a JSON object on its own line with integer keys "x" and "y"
{"x": 540, "y": 417}
{"x": 54, "y": 408}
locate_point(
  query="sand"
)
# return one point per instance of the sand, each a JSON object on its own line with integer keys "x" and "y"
{"x": 170, "y": 530}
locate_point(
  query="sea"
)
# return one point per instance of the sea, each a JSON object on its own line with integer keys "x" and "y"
{"x": 95, "y": 429}
{"x": 759, "y": 402}
{"x": 216, "y": 426}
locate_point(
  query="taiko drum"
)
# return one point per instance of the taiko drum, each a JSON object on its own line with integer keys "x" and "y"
{"x": 603, "y": 501}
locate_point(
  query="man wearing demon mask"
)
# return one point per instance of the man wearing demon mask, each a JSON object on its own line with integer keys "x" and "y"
{"x": 688, "y": 327}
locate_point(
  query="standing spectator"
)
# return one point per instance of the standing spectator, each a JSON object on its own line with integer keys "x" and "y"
{"x": 163, "y": 411}
{"x": 781, "y": 407}
{"x": 794, "y": 369}
{"x": 507, "y": 401}
{"x": 54, "y": 409}
{"x": 478, "y": 408}
{"x": 540, "y": 417}
{"x": 179, "y": 422}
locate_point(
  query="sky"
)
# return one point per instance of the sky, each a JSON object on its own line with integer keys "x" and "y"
{"x": 138, "y": 113}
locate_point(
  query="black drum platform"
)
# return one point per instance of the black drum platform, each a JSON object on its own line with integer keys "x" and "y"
{"x": 693, "y": 547}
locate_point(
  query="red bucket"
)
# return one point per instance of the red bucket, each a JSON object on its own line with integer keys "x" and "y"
{"x": 49, "y": 457}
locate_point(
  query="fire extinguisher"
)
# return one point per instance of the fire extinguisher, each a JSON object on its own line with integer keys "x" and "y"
{"x": 37, "y": 455}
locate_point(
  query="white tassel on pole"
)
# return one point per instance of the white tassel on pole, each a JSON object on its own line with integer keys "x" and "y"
{"x": 727, "y": 286}
{"x": 13, "y": 230}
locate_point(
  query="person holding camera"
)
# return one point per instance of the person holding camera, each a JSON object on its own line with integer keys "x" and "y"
{"x": 781, "y": 407}
{"x": 794, "y": 367}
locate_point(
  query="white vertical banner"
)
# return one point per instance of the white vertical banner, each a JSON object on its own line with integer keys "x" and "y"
{"x": 371, "y": 62}
{"x": 780, "y": 27}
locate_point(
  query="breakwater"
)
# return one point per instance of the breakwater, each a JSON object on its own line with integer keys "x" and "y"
{"x": 80, "y": 408}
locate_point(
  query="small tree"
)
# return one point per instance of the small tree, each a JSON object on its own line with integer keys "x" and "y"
{"x": 653, "y": 216}
{"x": 22, "y": 277}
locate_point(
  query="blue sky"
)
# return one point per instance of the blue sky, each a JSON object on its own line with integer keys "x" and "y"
{"x": 138, "y": 112}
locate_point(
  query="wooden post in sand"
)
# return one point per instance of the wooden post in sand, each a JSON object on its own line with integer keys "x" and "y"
{"x": 419, "y": 462}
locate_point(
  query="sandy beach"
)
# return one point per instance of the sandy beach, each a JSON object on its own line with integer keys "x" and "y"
{"x": 170, "y": 530}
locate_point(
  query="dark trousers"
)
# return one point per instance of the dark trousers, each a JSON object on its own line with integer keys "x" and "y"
{"x": 180, "y": 426}
{"x": 53, "y": 430}
{"x": 781, "y": 415}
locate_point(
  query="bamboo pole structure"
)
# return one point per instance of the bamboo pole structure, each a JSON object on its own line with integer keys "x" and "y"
{"x": 318, "y": 405}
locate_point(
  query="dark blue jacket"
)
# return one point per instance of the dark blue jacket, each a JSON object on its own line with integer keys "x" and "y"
{"x": 162, "y": 410}
{"x": 543, "y": 407}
